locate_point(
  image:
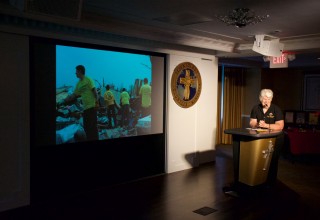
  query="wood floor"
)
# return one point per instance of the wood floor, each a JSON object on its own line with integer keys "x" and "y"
{"x": 191, "y": 195}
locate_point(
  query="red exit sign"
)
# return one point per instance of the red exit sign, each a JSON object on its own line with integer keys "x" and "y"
{"x": 279, "y": 62}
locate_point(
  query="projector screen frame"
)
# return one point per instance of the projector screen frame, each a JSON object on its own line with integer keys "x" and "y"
{"x": 36, "y": 79}
{"x": 66, "y": 169}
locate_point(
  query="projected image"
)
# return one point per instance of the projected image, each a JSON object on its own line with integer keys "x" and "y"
{"x": 101, "y": 94}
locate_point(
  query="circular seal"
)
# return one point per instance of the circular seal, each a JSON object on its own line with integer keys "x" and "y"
{"x": 186, "y": 84}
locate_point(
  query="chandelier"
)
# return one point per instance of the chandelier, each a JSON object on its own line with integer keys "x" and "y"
{"x": 241, "y": 17}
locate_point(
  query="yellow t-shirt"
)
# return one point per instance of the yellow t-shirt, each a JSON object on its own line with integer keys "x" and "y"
{"x": 145, "y": 92}
{"x": 84, "y": 89}
{"x": 124, "y": 97}
{"x": 109, "y": 98}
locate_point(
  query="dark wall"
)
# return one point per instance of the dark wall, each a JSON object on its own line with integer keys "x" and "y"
{"x": 287, "y": 85}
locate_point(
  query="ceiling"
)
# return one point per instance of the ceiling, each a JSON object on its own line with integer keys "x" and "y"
{"x": 193, "y": 24}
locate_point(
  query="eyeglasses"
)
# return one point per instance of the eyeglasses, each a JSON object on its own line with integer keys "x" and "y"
{"x": 266, "y": 99}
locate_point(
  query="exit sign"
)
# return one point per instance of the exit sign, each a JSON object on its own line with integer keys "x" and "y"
{"x": 279, "y": 62}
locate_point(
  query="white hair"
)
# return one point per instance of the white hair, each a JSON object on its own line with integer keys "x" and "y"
{"x": 266, "y": 93}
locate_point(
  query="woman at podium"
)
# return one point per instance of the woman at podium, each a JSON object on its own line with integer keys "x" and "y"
{"x": 266, "y": 115}
{"x": 269, "y": 116}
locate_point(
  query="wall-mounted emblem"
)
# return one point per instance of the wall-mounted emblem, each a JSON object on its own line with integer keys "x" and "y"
{"x": 186, "y": 84}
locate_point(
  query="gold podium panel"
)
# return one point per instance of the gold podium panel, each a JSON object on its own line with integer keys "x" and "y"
{"x": 254, "y": 160}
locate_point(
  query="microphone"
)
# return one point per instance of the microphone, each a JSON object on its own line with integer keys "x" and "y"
{"x": 265, "y": 105}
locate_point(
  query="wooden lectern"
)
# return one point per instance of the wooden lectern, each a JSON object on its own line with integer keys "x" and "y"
{"x": 253, "y": 150}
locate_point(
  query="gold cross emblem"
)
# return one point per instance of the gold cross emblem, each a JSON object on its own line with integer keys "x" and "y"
{"x": 267, "y": 154}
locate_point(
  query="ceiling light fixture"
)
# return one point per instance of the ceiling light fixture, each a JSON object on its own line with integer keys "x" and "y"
{"x": 241, "y": 17}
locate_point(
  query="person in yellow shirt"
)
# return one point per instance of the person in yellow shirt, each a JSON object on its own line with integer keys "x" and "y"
{"x": 86, "y": 89}
{"x": 125, "y": 107}
{"x": 111, "y": 106}
{"x": 145, "y": 93}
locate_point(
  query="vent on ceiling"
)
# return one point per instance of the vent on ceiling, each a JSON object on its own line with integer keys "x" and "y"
{"x": 184, "y": 19}
{"x": 70, "y": 9}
